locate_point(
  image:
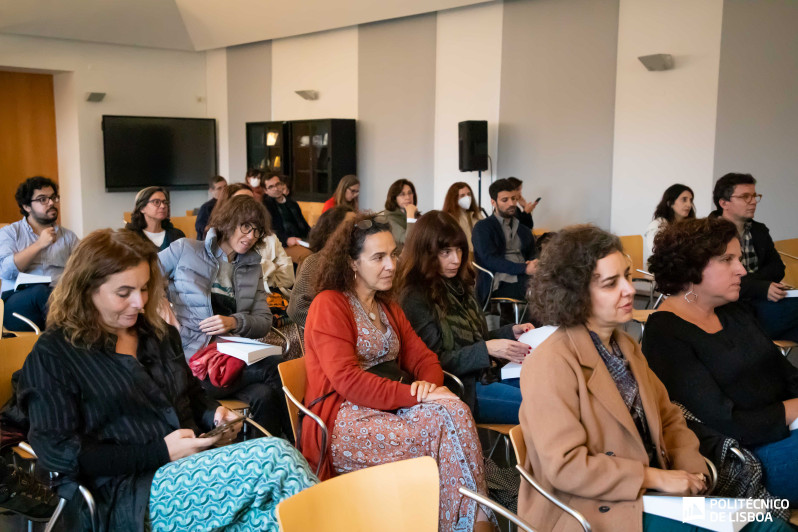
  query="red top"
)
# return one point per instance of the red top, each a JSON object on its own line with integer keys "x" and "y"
{"x": 329, "y": 204}
{"x": 332, "y": 366}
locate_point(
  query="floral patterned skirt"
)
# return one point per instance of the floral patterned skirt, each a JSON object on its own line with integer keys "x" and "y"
{"x": 444, "y": 430}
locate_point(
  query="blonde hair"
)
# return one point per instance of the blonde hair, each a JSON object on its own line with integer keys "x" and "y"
{"x": 346, "y": 182}
{"x": 101, "y": 254}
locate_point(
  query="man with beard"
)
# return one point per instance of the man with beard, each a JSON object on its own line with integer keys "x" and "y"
{"x": 35, "y": 245}
{"x": 736, "y": 199}
{"x": 504, "y": 246}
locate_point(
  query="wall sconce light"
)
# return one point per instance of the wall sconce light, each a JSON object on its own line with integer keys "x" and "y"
{"x": 657, "y": 61}
{"x": 95, "y": 96}
{"x": 308, "y": 94}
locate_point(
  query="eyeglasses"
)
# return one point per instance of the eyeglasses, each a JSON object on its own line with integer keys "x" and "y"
{"x": 43, "y": 200}
{"x": 159, "y": 202}
{"x": 247, "y": 228}
{"x": 368, "y": 222}
{"x": 748, "y": 198}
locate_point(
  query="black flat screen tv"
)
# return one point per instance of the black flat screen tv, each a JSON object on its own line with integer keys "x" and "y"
{"x": 176, "y": 153}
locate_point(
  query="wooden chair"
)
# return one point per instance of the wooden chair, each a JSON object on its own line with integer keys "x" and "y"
{"x": 186, "y": 224}
{"x": 641, "y": 316}
{"x": 788, "y": 249}
{"x": 34, "y": 332}
{"x": 538, "y": 231}
{"x": 311, "y": 210}
{"x": 633, "y": 247}
{"x": 518, "y": 309}
{"x": 393, "y": 497}
{"x": 294, "y": 378}
{"x": 519, "y": 446}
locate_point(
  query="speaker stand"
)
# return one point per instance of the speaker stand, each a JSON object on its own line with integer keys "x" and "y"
{"x": 479, "y": 189}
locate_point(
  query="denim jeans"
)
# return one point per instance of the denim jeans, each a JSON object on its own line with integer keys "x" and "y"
{"x": 30, "y": 302}
{"x": 779, "y": 319}
{"x": 780, "y": 466}
{"x": 499, "y": 402}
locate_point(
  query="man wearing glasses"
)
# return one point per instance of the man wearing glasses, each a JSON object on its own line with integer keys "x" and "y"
{"x": 736, "y": 199}
{"x": 288, "y": 223}
{"x": 35, "y": 245}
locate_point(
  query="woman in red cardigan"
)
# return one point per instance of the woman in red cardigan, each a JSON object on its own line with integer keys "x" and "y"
{"x": 359, "y": 344}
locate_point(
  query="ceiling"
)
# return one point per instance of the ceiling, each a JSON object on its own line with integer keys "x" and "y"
{"x": 197, "y": 25}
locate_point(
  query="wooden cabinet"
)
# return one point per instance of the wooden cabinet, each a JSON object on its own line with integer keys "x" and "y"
{"x": 268, "y": 147}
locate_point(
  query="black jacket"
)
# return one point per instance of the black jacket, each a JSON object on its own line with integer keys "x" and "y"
{"x": 203, "y": 217}
{"x": 172, "y": 234}
{"x": 489, "y": 250}
{"x": 277, "y": 222}
{"x": 771, "y": 268}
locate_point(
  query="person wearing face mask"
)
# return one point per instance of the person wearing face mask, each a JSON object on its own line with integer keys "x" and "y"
{"x": 462, "y": 206}
{"x": 435, "y": 283}
{"x": 375, "y": 384}
{"x": 216, "y": 288}
{"x": 255, "y": 180}
{"x": 35, "y": 245}
{"x": 504, "y": 246}
{"x": 401, "y": 210}
{"x": 676, "y": 205}
{"x": 150, "y": 218}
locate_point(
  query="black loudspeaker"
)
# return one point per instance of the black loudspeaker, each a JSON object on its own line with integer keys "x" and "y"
{"x": 473, "y": 135}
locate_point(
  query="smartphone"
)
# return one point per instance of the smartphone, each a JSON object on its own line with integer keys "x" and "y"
{"x": 223, "y": 427}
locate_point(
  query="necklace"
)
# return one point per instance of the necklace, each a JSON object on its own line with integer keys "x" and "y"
{"x": 372, "y": 315}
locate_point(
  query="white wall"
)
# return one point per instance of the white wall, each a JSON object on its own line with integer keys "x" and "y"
{"x": 467, "y": 87}
{"x": 664, "y": 121}
{"x": 216, "y": 106}
{"x": 325, "y": 62}
{"x": 137, "y": 81}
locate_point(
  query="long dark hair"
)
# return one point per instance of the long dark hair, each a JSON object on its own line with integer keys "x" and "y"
{"x": 394, "y": 190}
{"x": 665, "y": 207}
{"x": 137, "y": 220}
{"x": 419, "y": 265}
{"x": 450, "y": 205}
{"x": 327, "y": 223}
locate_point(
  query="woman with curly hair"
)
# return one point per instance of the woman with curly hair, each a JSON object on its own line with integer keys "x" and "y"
{"x": 713, "y": 355}
{"x": 150, "y": 218}
{"x": 112, "y": 405}
{"x": 436, "y": 286}
{"x": 676, "y": 204}
{"x": 460, "y": 204}
{"x": 598, "y": 424}
{"x": 374, "y": 382}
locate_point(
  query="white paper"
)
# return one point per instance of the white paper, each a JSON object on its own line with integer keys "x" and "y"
{"x": 792, "y": 293}
{"x": 794, "y": 425}
{"x": 533, "y": 338}
{"x": 713, "y": 513}
{"x": 28, "y": 278}
{"x": 303, "y": 244}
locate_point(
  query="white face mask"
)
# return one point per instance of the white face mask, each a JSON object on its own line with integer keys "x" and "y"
{"x": 464, "y": 202}
{"x": 254, "y": 182}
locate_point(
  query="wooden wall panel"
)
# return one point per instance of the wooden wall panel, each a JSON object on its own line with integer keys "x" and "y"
{"x": 27, "y": 135}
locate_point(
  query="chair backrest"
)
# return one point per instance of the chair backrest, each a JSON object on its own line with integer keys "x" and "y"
{"x": 790, "y": 247}
{"x": 186, "y": 224}
{"x": 13, "y": 352}
{"x": 294, "y": 377}
{"x": 393, "y": 497}
{"x": 519, "y": 446}
{"x": 633, "y": 246}
{"x": 311, "y": 210}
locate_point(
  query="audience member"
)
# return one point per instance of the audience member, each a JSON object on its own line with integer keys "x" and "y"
{"x": 504, "y": 246}
{"x": 401, "y": 210}
{"x": 304, "y": 289}
{"x": 713, "y": 356}
{"x": 461, "y": 205}
{"x": 598, "y": 425}
{"x": 254, "y": 179}
{"x": 216, "y": 186}
{"x": 375, "y": 383}
{"x": 346, "y": 194}
{"x": 525, "y": 208}
{"x": 676, "y": 205}
{"x": 150, "y": 218}
{"x": 287, "y": 219}
{"x": 216, "y": 288}
{"x": 35, "y": 245}
{"x": 435, "y": 283}
{"x": 736, "y": 199}
{"x": 112, "y": 405}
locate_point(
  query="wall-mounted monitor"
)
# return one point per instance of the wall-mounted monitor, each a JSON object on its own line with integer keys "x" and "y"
{"x": 176, "y": 153}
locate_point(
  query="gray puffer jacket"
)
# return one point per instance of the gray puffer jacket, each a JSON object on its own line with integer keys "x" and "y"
{"x": 190, "y": 266}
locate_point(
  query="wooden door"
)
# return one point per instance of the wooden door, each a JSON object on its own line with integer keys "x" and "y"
{"x": 27, "y": 135}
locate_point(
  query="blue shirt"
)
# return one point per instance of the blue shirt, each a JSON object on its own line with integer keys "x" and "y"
{"x": 50, "y": 261}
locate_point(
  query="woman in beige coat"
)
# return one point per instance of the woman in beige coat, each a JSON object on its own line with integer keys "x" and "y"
{"x": 598, "y": 425}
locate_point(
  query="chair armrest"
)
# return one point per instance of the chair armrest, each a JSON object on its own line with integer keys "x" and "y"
{"x": 713, "y": 475}
{"x": 456, "y": 380}
{"x": 561, "y": 505}
{"x": 257, "y": 426}
{"x": 498, "y": 508}
{"x": 28, "y": 322}
{"x": 318, "y": 421}
{"x": 282, "y": 335}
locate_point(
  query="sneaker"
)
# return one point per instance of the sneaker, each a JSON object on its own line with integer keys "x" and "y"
{"x": 22, "y": 493}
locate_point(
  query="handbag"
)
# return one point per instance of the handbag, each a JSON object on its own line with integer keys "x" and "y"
{"x": 390, "y": 370}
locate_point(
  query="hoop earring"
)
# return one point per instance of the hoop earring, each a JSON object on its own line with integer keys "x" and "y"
{"x": 689, "y": 293}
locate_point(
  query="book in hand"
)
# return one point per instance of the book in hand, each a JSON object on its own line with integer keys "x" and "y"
{"x": 246, "y": 349}
{"x": 29, "y": 278}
